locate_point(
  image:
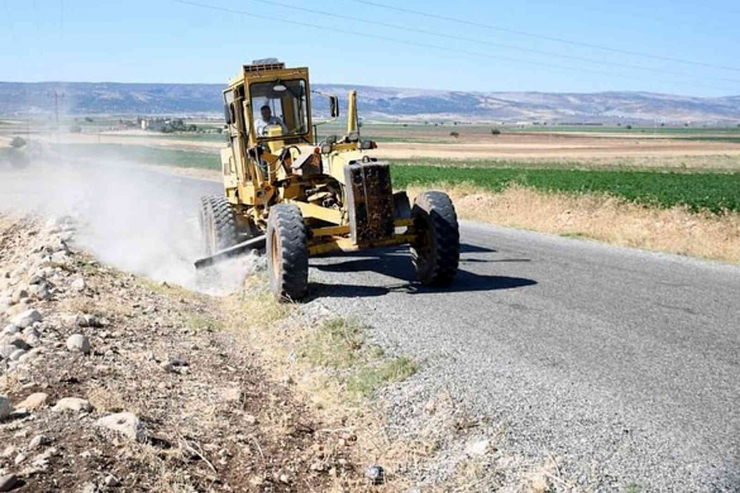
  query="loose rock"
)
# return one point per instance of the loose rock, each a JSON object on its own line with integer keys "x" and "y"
{"x": 72, "y": 404}
{"x": 5, "y": 407}
{"x": 126, "y": 424}
{"x": 89, "y": 488}
{"x": 5, "y": 303}
{"x": 39, "y": 441}
{"x": 31, "y": 332}
{"x": 478, "y": 448}
{"x": 60, "y": 257}
{"x": 16, "y": 355}
{"x": 27, "y": 318}
{"x": 9, "y": 482}
{"x": 34, "y": 401}
{"x": 375, "y": 474}
{"x": 11, "y": 329}
{"x": 78, "y": 284}
{"x": 19, "y": 295}
{"x": 37, "y": 279}
{"x": 41, "y": 292}
{"x": 78, "y": 343}
{"x": 111, "y": 481}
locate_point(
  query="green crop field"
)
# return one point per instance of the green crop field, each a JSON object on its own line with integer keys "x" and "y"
{"x": 715, "y": 192}
{"x": 730, "y": 140}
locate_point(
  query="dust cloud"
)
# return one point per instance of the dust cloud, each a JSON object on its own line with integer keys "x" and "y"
{"x": 128, "y": 216}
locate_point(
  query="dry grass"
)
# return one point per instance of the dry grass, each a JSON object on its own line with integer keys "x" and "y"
{"x": 105, "y": 399}
{"x": 322, "y": 358}
{"x": 605, "y": 218}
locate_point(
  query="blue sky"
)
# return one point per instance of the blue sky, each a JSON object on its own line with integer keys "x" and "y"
{"x": 168, "y": 41}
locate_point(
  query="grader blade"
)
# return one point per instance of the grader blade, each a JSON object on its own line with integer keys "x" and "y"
{"x": 231, "y": 252}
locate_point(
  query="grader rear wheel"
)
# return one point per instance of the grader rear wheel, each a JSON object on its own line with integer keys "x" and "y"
{"x": 218, "y": 225}
{"x": 436, "y": 251}
{"x": 287, "y": 253}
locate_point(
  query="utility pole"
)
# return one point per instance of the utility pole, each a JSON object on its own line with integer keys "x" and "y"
{"x": 57, "y": 96}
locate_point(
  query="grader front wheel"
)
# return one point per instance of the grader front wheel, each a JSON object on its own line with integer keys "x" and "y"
{"x": 436, "y": 251}
{"x": 287, "y": 253}
{"x": 217, "y": 224}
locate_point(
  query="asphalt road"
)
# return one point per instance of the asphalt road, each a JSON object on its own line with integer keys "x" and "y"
{"x": 613, "y": 358}
{"x": 623, "y": 364}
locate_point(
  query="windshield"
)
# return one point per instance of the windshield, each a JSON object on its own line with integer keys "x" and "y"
{"x": 280, "y": 104}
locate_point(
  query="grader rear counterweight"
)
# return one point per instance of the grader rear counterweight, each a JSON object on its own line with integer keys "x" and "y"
{"x": 298, "y": 198}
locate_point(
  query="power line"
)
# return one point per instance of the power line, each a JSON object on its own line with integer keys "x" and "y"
{"x": 541, "y": 36}
{"x": 424, "y": 45}
{"x": 488, "y": 43}
{"x": 644, "y": 17}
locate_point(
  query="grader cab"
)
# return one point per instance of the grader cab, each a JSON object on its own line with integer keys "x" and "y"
{"x": 298, "y": 197}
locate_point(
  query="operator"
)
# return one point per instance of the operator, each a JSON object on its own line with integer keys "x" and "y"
{"x": 267, "y": 120}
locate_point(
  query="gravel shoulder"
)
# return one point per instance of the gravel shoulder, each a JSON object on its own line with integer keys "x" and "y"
{"x": 111, "y": 382}
{"x": 617, "y": 365}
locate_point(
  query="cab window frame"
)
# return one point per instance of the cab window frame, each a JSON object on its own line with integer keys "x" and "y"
{"x": 305, "y": 117}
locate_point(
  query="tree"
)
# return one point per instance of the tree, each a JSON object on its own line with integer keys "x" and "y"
{"x": 628, "y": 127}
{"x": 495, "y": 131}
{"x": 454, "y": 134}
{"x": 18, "y": 142}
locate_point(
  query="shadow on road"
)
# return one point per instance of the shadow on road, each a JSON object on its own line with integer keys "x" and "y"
{"x": 396, "y": 263}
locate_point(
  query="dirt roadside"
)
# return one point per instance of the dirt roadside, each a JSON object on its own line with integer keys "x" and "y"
{"x": 111, "y": 382}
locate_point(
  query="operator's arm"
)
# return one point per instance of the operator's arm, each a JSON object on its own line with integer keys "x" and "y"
{"x": 279, "y": 121}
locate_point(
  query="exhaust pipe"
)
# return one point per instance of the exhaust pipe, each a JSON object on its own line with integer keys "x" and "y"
{"x": 255, "y": 243}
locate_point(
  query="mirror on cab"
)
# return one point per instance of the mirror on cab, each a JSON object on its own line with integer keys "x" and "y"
{"x": 334, "y": 103}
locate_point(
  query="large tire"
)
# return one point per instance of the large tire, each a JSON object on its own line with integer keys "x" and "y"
{"x": 436, "y": 250}
{"x": 217, "y": 224}
{"x": 287, "y": 253}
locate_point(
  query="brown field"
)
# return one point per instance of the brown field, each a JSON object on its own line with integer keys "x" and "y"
{"x": 585, "y": 149}
{"x": 537, "y": 146}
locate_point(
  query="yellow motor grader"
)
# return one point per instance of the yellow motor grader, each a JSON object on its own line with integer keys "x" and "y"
{"x": 298, "y": 197}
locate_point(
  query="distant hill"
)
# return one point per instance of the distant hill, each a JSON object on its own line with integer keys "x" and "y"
{"x": 380, "y": 103}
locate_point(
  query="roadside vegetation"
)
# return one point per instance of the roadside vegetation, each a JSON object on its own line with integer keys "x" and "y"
{"x": 341, "y": 345}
